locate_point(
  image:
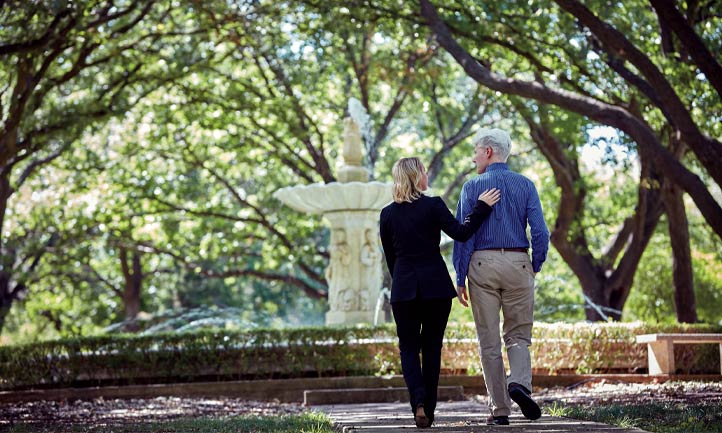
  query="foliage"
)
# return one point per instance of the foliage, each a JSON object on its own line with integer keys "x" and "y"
{"x": 590, "y": 347}
{"x": 556, "y": 409}
{"x": 316, "y": 352}
{"x": 264, "y": 353}
{"x": 185, "y": 177}
{"x": 69, "y": 67}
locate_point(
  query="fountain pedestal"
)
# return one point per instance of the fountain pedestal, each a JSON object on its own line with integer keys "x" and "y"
{"x": 354, "y": 272}
{"x": 351, "y": 207}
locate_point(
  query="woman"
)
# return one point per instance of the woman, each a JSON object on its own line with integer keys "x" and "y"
{"x": 421, "y": 289}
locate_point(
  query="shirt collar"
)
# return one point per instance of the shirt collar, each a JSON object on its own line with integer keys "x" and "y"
{"x": 497, "y": 166}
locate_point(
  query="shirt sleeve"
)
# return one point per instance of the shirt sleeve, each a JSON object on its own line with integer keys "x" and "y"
{"x": 387, "y": 243}
{"x": 462, "y": 231}
{"x": 539, "y": 230}
{"x": 463, "y": 250}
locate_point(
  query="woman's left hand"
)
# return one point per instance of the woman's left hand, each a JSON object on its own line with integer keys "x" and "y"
{"x": 490, "y": 196}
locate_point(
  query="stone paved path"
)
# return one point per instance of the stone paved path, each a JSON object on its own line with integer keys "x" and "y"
{"x": 456, "y": 417}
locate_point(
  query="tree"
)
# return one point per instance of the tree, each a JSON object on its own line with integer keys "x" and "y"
{"x": 606, "y": 278}
{"x": 69, "y": 66}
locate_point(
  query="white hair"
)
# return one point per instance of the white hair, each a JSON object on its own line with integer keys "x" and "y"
{"x": 497, "y": 139}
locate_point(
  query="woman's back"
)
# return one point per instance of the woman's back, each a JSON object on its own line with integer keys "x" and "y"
{"x": 414, "y": 227}
{"x": 410, "y": 236}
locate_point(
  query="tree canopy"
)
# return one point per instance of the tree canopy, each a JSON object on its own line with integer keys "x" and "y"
{"x": 141, "y": 144}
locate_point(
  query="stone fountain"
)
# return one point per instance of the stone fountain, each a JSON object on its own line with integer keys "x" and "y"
{"x": 351, "y": 206}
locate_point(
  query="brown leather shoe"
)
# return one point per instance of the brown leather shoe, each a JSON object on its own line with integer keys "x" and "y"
{"x": 420, "y": 418}
{"x": 497, "y": 420}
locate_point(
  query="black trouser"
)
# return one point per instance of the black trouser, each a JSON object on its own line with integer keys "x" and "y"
{"x": 420, "y": 326}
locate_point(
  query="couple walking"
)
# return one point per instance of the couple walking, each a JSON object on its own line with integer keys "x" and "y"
{"x": 490, "y": 250}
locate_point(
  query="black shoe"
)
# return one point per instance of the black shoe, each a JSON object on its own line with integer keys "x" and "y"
{"x": 497, "y": 420}
{"x": 522, "y": 397}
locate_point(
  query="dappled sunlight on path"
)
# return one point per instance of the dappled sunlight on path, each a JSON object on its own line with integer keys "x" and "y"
{"x": 456, "y": 417}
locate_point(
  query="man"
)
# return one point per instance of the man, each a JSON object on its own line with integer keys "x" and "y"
{"x": 501, "y": 274}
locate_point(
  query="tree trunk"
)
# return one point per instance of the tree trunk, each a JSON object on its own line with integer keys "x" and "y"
{"x": 604, "y": 297}
{"x": 605, "y": 281}
{"x": 6, "y": 298}
{"x": 598, "y": 303}
{"x": 595, "y": 300}
{"x": 7, "y": 295}
{"x": 133, "y": 278}
{"x": 682, "y": 273}
{"x": 6, "y": 190}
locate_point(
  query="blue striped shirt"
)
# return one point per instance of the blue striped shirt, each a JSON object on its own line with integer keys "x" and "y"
{"x": 506, "y": 226}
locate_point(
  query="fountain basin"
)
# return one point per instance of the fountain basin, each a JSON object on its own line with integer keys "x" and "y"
{"x": 320, "y": 198}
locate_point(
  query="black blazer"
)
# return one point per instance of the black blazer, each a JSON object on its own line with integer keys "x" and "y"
{"x": 410, "y": 236}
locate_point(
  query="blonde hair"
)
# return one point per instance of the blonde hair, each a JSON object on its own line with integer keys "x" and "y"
{"x": 407, "y": 173}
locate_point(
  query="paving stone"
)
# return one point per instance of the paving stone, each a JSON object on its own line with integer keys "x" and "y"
{"x": 451, "y": 417}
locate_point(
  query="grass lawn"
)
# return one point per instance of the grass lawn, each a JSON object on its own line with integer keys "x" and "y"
{"x": 304, "y": 423}
{"x": 658, "y": 417}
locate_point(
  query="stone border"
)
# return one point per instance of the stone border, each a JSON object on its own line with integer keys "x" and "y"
{"x": 291, "y": 390}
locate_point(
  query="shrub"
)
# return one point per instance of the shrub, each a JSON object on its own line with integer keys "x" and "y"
{"x": 319, "y": 352}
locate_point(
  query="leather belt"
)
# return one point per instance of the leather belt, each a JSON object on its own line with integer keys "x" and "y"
{"x": 510, "y": 250}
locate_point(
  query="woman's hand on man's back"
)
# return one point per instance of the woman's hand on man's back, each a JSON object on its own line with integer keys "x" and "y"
{"x": 490, "y": 196}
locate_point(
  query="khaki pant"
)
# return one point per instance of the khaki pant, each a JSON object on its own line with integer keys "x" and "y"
{"x": 502, "y": 281}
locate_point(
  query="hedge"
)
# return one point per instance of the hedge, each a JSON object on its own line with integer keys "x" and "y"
{"x": 318, "y": 352}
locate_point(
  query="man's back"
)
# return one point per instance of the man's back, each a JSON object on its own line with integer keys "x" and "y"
{"x": 506, "y": 227}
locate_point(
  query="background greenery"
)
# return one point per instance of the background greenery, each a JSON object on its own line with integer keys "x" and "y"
{"x": 159, "y": 135}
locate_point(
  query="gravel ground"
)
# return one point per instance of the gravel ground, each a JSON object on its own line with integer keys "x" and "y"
{"x": 138, "y": 410}
{"x": 618, "y": 393}
{"x": 168, "y": 408}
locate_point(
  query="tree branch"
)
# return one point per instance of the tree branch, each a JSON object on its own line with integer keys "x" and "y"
{"x": 118, "y": 292}
{"x": 29, "y": 46}
{"x": 38, "y": 163}
{"x": 707, "y": 149}
{"x": 401, "y": 93}
{"x": 449, "y": 143}
{"x": 669, "y": 14}
{"x": 268, "y": 276}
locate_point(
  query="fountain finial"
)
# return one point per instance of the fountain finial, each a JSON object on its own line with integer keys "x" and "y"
{"x": 351, "y": 169}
